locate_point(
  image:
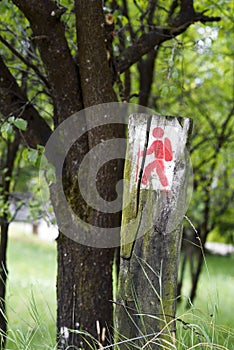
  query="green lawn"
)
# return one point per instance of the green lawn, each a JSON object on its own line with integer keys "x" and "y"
{"x": 216, "y": 289}
{"x": 31, "y": 300}
{"x": 212, "y": 311}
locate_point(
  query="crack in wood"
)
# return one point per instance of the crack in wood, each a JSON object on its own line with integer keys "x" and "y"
{"x": 143, "y": 163}
{"x": 134, "y": 241}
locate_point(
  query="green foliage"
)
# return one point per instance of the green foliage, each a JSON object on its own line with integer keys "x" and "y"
{"x": 194, "y": 78}
{"x": 7, "y": 127}
{"x": 24, "y": 181}
{"x": 7, "y": 131}
{"x": 48, "y": 170}
{"x": 16, "y": 30}
{"x": 33, "y": 156}
{"x": 20, "y": 124}
{"x": 4, "y": 205}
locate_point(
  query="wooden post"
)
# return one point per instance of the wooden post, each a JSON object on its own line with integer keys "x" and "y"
{"x": 154, "y": 204}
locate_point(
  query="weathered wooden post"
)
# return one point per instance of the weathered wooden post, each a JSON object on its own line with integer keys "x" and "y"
{"x": 155, "y": 201}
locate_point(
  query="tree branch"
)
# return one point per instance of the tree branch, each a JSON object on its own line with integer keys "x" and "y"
{"x": 143, "y": 45}
{"x": 172, "y": 9}
{"x": 61, "y": 69}
{"x": 148, "y": 41}
{"x": 13, "y": 101}
{"x": 25, "y": 61}
{"x": 200, "y": 17}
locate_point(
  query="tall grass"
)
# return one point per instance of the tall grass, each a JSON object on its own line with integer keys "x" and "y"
{"x": 31, "y": 298}
{"x": 31, "y": 304}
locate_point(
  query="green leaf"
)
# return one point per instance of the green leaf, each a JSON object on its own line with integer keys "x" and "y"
{"x": 124, "y": 20}
{"x": 32, "y": 156}
{"x": 175, "y": 74}
{"x": 5, "y": 170}
{"x": 40, "y": 149}
{"x": 50, "y": 174}
{"x": 173, "y": 89}
{"x": 6, "y": 130}
{"x": 25, "y": 154}
{"x": 164, "y": 91}
{"x": 20, "y": 124}
{"x": 11, "y": 120}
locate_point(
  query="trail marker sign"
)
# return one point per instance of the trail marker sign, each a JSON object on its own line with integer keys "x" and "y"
{"x": 157, "y": 171}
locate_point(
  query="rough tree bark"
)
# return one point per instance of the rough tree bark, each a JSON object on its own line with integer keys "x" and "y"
{"x": 147, "y": 287}
{"x": 92, "y": 267}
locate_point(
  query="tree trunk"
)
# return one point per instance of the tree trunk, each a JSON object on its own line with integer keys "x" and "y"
{"x": 87, "y": 270}
{"x": 196, "y": 276}
{"x": 84, "y": 291}
{"x": 200, "y": 238}
{"x": 3, "y": 280}
{"x": 146, "y": 70}
{"x": 11, "y": 151}
{"x": 73, "y": 87}
{"x": 200, "y": 257}
{"x": 190, "y": 251}
{"x": 151, "y": 230}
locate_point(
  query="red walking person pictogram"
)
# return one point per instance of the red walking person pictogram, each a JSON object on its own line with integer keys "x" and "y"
{"x": 162, "y": 152}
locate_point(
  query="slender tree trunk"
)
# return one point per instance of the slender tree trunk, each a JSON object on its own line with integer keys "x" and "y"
{"x": 189, "y": 250}
{"x": 3, "y": 279}
{"x": 198, "y": 266}
{"x": 195, "y": 277}
{"x": 202, "y": 235}
{"x": 146, "y": 70}
{"x": 11, "y": 151}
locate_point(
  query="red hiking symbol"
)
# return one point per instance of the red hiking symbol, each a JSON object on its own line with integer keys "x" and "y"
{"x": 162, "y": 153}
